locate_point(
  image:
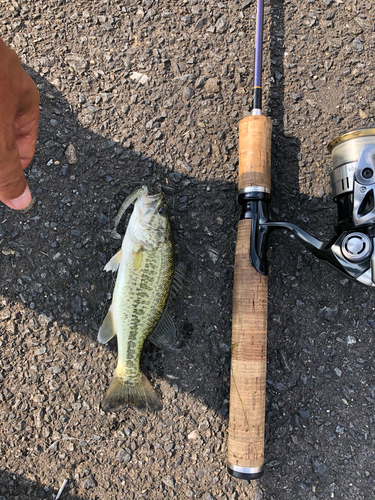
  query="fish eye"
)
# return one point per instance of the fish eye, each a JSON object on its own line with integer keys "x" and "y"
{"x": 162, "y": 210}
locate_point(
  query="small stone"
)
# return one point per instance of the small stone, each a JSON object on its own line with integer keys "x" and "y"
{"x": 350, "y": 340}
{"x": 362, "y": 114}
{"x": 213, "y": 255}
{"x": 89, "y": 483}
{"x": 77, "y": 62}
{"x": 204, "y": 425}
{"x": 19, "y": 40}
{"x": 139, "y": 77}
{"x": 181, "y": 80}
{"x": 320, "y": 468}
{"x": 200, "y": 82}
{"x": 304, "y": 414}
{"x": 175, "y": 68}
{"x": 187, "y": 20}
{"x": 169, "y": 447}
{"x": 71, "y": 154}
{"x": 4, "y": 313}
{"x": 311, "y": 103}
{"x": 358, "y": 45}
{"x": 337, "y": 371}
{"x": 330, "y": 14}
{"x": 184, "y": 165}
{"x": 328, "y": 313}
{"x": 212, "y": 86}
{"x": 38, "y": 417}
{"x": 188, "y": 93}
{"x": 77, "y": 304}
{"x": 327, "y": 64}
{"x": 221, "y": 24}
{"x": 193, "y": 435}
{"x": 175, "y": 176}
{"x": 278, "y": 76}
{"x": 79, "y": 366}
{"x": 201, "y": 23}
{"x": 55, "y": 369}
{"x": 340, "y": 429}
{"x": 86, "y": 117}
{"x": 168, "y": 481}
{"x": 41, "y": 351}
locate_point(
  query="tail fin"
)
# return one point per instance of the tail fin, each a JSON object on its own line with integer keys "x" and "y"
{"x": 135, "y": 392}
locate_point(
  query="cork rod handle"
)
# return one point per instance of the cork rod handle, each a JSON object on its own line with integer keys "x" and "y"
{"x": 249, "y": 326}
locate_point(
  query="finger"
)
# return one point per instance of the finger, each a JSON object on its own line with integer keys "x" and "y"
{"x": 14, "y": 191}
{"x": 21, "y": 202}
{"x": 26, "y": 122}
{"x": 26, "y": 144}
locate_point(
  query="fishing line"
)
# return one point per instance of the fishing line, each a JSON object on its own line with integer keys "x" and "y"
{"x": 111, "y": 283}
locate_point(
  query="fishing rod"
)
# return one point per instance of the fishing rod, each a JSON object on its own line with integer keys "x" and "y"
{"x": 351, "y": 251}
{"x": 250, "y": 289}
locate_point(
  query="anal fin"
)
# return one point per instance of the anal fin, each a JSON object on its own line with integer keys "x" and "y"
{"x": 106, "y": 331}
{"x": 164, "y": 334}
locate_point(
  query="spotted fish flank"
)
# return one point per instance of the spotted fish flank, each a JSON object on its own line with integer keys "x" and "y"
{"x": 145, "y": 267}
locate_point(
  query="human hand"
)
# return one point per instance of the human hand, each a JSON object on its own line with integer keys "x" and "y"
{"x": 19, "y": 115}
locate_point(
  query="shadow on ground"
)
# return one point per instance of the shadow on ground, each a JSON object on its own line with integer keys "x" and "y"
{"x": 53, "y": 256}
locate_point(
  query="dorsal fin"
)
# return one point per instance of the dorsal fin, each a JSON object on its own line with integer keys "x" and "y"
{"x": 179, "y": 279}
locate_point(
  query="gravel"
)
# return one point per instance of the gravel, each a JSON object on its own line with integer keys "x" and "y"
{"x": 151, "y": 93}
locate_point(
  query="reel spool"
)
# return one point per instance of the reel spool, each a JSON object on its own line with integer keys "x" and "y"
{"x": 352, "y": 249}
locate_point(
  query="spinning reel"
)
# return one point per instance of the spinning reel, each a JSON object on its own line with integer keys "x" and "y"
{"x": 352, "y": 248}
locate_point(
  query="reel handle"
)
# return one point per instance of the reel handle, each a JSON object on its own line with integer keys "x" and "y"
{"x": 249, "y": 326}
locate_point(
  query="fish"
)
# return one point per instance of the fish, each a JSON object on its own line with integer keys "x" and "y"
{"x": 139, "y": 309}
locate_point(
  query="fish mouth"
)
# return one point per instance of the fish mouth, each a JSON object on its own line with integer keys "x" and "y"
{"x": 151, "y": 201}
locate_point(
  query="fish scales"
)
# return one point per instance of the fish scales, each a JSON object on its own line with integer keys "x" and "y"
{"x": 145, "y": 267}
{"x": 144, "y": 307}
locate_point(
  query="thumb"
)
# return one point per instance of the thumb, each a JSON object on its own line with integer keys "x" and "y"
{"x": 14, "y": 191}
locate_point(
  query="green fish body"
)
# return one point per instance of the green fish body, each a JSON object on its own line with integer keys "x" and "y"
{"x": 145, "y": 267}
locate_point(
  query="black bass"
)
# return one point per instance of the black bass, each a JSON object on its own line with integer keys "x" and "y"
{"x": 145, "y": 267}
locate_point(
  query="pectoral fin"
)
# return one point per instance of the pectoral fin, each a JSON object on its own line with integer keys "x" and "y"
{"x": 106, "y": 331}
{"x": 114, "y": 263}
{"x": 164, "y": 334}
{"x": 138, "y": 257}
